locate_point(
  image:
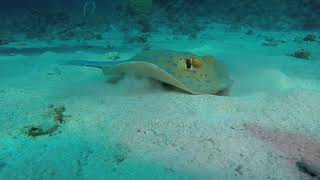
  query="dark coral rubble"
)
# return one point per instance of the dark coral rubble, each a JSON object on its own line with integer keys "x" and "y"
{"x": 302, "y": 54}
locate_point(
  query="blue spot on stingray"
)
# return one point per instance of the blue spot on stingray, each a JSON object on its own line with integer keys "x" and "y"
{"x": 208, "y": 81}
{"x": 175, "y": 65}
{"x": 194, "y": 72}
{"x": 167, "y": 55}
{"x": 168, "y": 70}
{"x": 188, "y": 77}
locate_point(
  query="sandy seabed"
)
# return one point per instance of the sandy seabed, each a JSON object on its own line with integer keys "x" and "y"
{"x": 136, "y": 129}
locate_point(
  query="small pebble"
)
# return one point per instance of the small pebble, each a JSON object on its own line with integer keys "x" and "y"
{"x": 310, "y": 38}
{"x": 302, "y": 54}
{"x": 239, "y": 170}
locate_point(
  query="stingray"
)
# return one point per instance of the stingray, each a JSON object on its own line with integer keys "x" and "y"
{"x": 189, "y": 72}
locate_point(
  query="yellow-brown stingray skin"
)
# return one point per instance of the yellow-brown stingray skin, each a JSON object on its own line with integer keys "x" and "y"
{"x": 206, "y": 75}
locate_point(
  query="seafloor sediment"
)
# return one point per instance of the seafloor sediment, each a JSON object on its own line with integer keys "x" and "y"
{"x": 85, "y": 128}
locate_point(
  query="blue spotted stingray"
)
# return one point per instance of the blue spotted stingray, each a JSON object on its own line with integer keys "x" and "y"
{"x": 189, "y": 72}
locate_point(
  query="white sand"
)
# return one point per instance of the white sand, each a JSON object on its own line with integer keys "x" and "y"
{"x": 138, "y": 130}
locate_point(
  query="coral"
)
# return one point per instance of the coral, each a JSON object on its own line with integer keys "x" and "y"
{"x": 302, "y": 54}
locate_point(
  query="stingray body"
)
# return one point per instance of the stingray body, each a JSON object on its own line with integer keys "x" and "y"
{"x": 184, "y": 70}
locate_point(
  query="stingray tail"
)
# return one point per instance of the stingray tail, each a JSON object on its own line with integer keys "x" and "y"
{"x": 96, "y": 64}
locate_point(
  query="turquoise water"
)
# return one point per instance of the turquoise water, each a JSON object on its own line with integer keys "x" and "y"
{"x": 74, "y": 122}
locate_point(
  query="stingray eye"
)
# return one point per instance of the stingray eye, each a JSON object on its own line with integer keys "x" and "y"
{"x": 188, "y": 63}
{"x": 196, "y": 62}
